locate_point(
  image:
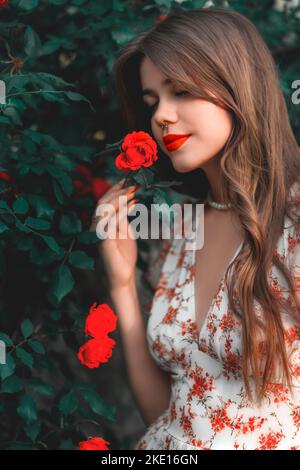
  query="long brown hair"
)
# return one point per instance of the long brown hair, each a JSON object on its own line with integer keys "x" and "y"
{"x": 221, "y": 51}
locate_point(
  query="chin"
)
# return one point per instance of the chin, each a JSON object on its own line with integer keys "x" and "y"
{"x": 184, "y": 165}
{"x": 181, "y": 168}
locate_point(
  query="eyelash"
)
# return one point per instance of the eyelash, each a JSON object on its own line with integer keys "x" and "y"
{"x": 179, "y": 93}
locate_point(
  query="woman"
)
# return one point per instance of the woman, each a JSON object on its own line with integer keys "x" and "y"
{"x": 219, "y": 365}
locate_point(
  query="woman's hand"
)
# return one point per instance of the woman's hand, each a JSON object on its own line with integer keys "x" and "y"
{"x": 119, "y": 254}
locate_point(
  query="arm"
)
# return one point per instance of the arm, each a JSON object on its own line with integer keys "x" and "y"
{"x": 150, "y": 385}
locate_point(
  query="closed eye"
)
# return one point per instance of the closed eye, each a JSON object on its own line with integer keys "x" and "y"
{"x": 178, "y": 93}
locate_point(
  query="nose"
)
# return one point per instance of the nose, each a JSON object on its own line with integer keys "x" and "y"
{"x": 165, "y": 112}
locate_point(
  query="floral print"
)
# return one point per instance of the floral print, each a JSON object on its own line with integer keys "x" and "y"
{"x": 209, "y": 408}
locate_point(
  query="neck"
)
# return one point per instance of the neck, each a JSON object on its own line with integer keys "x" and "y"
{"x": 212, "y": 170}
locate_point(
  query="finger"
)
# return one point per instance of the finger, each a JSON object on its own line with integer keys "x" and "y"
{"x": 114, "y": 192}
{"x": 114, "y": 198}
{"x": 119, "y": 219}
{"x": 114, "y": 187}
{"x": 113, "y": 210}
{"x": 123, "y": 224}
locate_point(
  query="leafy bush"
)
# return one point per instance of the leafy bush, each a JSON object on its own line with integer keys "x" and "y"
{"x": 59, "y": 112}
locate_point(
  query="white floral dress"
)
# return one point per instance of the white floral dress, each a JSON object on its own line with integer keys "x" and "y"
{"x": 208, "y": 409}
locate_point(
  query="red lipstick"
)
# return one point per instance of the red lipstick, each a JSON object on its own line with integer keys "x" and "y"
{"x": 174, "y": 141}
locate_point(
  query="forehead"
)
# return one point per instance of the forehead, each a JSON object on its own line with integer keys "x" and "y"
{"x": 151, "y": 75}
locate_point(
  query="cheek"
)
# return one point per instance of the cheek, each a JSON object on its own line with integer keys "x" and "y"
{"x": 213, "y": 122}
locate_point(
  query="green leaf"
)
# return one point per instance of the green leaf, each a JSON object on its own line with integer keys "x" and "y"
{"x": 167, "y": 184}
{"x": 22, "y": 227}
{"x": 63, "y": 282}
{"x": 28, "y": 4}
{"x": 124, "y": 34}
{"x": 52, "y": 244}
{"x": 7, "y": 340}
{"x": 4, "y": 120}
{"x": 98, "y": 405}
{"x": 47, "y": 141}
{"x": 55, "y": 315}
{"x": 68, "y": 403}
{"x": 6, "y": 370}
{"x": 40, "y": 387}
{"x": 25, "y": 243}
{"x": 82, "y": 386}
{"x": 66, "y": 184}
{"x": 11, "y": 385}
{"x": 27, "y": 409}
{"x": 32, "y": 45}
{"x": 77, "y": 97}
{"x": 41, "y": 205}
{"x": 87, "y": 238}
{"x": 20, "y": 206}
{"x": 57, "y": 2}
{"x": 40, "y": 80}
{"x": 13, "y": 114}
{"x": 32, "y": 429}
{"x": 79, "y": 259}
{"x": 24, "y": 356}
{"x": 143, "y": 177}
{"x": 36, "y": 346}
{"x": 27, "y": 327}
{"x": 38, "y": 224}
{"x": 164, "y": 201}
{"x": 70, "y": 223}
{"x": 3, "y": 227}
{"x": 58, "y": 192}
{"x": 67, "y": 444}
{"x": 4, "y": 205}
{"x": 44, "y": 257}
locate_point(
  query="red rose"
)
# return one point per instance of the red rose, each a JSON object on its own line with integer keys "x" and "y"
{"x": 139, "y": 150}
{"x": 3, "y": 3}
{"x": 100, "y": 321}
{"x": 83, "y": 187}
{"x": 161, "y": 18}
{"x": 3, "y": 175}
{"x": 94, "y": 443}
{"x": 85, "y": 217}
{"x": 99, "y": 187}
{"x": 96, "y": 351}
{"x": 96, "y": 186}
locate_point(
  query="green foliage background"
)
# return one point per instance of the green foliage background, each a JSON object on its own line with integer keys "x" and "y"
{"x": 56, "y": 59}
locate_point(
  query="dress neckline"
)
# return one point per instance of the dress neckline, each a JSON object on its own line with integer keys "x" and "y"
{"x": 193, "y": 296}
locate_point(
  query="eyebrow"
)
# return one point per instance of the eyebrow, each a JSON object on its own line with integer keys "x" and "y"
{"x": 148, "y": 91}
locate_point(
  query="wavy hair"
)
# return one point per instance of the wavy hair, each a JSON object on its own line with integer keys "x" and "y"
{"x": 220, "y": 51}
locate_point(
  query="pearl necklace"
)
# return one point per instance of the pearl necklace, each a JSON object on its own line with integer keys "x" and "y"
{"x": 216, "y": 205}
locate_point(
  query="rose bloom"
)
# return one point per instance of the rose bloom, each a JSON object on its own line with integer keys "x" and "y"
{"x": 96, "y": 186}
{"x": 99, "y": 187}
{"x": 94, "y": 443}
{"x": 100, "y": 321}
{"x": 96, "y": 351}
{"x": 139, "y": 150}
{"x": 3, "y": 174}
{"x": 3, "y": 3}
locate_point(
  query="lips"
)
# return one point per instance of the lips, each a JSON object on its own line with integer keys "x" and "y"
{"x": 171, "y": 137}
{"x": 174, "y": 141}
